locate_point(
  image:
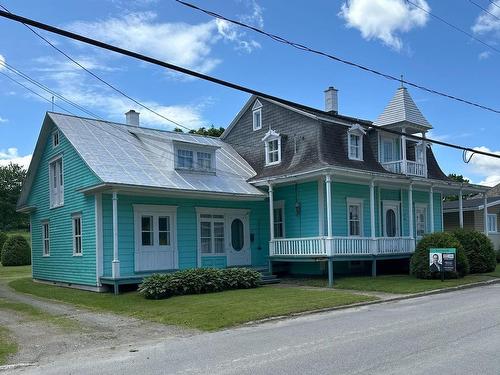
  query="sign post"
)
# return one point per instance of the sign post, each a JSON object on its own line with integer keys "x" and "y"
{"x": 442, "y": 260}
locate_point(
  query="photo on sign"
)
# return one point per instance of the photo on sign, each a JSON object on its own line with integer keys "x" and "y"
{"x": 435, "y": 261}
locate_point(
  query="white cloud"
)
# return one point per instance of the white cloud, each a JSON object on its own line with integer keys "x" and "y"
{"x": 491, "y": 180}
{"x": 484, "y": 55}
{"x": 488, "y": 23}
{"x": 3, "y": 120}
{"x": 11, "y": 155}
{"x": 487, "y": 166}
{"x": 384, "y": 19}
{"x": 2, "y": 61}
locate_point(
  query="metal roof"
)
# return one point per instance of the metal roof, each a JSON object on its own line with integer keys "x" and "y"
{"x": 130, "y": 155}
{"x": 402, "y": 109}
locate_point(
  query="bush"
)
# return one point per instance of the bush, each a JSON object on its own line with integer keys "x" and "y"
{"x": 498, "y": 256}
{"x": 478, "y": 249}
{"x": 419, "y": 264}
{"x": 3, "y": 238}
{"x": 16, "y": 252}
{"x": 197, "y": 281}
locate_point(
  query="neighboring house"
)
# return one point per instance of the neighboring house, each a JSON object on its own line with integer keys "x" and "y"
{"x": 288, "y": 184}
{"x": 472, "y": 216}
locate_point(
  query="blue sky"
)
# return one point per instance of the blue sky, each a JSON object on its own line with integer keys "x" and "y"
{"x": 388, "y": 35}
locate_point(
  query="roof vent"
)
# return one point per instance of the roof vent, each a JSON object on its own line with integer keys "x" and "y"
{"x": 132, "y": 118}
{"x": 331, "y": 100}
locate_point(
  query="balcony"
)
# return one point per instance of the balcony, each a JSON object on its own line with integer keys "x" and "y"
{"x": 407, "y": 167}
{"x": 340, "y": 246}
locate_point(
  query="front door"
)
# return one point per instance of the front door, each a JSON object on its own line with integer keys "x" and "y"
{"x": 391, "y": 220}
{"x": 239, "y": 253}
{"x": 155, "y": 248}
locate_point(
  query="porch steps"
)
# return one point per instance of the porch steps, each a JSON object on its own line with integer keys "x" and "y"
{"x": 267, "y": 277}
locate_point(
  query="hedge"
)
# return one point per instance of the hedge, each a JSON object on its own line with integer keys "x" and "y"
{"x": 419, "y": 264}
{"x": 16, "y": 252}
{"x": 3, "y": 238}
{"x": 479, "y": 250}
{"x": 197, "y": 281}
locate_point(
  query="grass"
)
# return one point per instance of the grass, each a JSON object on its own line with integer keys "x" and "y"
{"x": 204, "y": 311}
{"x": 495, "y": 273}
{"x": 8, "y": 347}
{"x": 12, "y": 273}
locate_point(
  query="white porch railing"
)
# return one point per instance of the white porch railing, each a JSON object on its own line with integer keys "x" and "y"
{"x": 412, "y": 168}
{"x": 340, "y": 246}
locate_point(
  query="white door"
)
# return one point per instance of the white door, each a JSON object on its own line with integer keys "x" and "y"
{"x": 239, "y": 253}
{"x": 155, "y": 240}
{"x": 391, "y": 220}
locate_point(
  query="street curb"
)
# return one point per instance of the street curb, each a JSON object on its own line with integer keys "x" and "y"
{"x": 15, "y": 366}
{"x": 376, "y": 302}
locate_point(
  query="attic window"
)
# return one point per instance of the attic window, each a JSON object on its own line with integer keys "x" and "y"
{"x": 355, "y": 142}
{"x": 257, "y": 115}
{"x": 194, "y": 158}
{"x": 55, "y": 138}
{"x": 272, "y": 146}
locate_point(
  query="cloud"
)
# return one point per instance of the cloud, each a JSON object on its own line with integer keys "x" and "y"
{"x": 492, "y": 180}
{"x": 11, "y": 155}
{"x": 3, "y": 120}
{"x": 384, "y": 19}
{"x": 2, "y": 61}
{"x": 487, "y": 23}
{"x": 486, "y": 166}
{"x": 484, "y": 55}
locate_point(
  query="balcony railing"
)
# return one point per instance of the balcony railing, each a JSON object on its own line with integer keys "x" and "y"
{"x": 412, "y": 168}
{"x": 340, "y": 246}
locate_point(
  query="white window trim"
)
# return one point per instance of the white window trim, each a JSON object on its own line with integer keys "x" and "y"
{"x": 43, "y": 223}
{"x": 357, "y": 202}
{"x": 399, "y": 227}
{"x": 358, "y": 131}
{"x": 271, "y": 136}
{"x": 73, "y": 217}
{"x": 280, "y": 205}
{"x": 254, "y": 124}
{"x": 496, "y": 223}
{"x": 51, "y": 198}
{"x": 54, "y": 134}
{"x": 393, "y": 139}
{"x": 195, "y": 149}
{"x": 424, "y": 206}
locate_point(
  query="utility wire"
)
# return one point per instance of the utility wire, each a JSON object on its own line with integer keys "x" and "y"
{"x": 219, "y": 81}
{"x": 484, "y": 9}
{"x": 494, "y": 3}
{"x": 305, "y": 48}
{"x": 113, "y": 87}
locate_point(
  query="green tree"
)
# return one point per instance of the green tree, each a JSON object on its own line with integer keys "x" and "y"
{"x": 11, "y": 180}
{"x": 211, "y": 131}
{"x": 457, "y": 178}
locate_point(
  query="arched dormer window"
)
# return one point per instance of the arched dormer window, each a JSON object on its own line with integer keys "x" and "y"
{"x": 257, "y": 115}
{"x": 355, "y": 142}
{"x": 272, "y": 147}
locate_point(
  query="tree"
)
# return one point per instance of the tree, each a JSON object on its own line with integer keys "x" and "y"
{"x": 11, "y": 180}
{"x": 211, "y": 131}
{"x": 457, "y": 178}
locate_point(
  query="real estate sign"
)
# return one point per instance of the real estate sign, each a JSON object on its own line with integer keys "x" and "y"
{"x": 443, "y": 260}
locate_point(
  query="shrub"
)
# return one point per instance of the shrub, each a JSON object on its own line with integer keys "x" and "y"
{"x": 419, "y": 264}
{"x": 3, "y": 238}
{"x": 498, "y": 256}
{"x": 478, "y": 249}
{"x": 16, "y": 252}
{"x": 198, "y": 280}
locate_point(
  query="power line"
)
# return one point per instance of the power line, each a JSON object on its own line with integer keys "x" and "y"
{"x": 494, "y": 3}
{"x": 219, "y": 81}
{"x": 99, "y": 78}
{"x": 302, "y": 47}
{"x": 484, "y": 9}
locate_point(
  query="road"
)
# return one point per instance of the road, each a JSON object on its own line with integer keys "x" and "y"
{"x": 452, "y": 333}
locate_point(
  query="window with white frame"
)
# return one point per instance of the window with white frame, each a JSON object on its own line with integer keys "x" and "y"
{"x": 420, "y": 220}
{"x": 257, "y": 115}
{"x": 56, "y": 182}
{"x": 279, "y": 219}
{"x": 194, "y": 158}
{"x": 77, "y": 234}
{"x": 185, "y": 159}
{"x": 355, "y": 142}
{"x": 164, "y": 230}
{"x": 45, "y": 238}
{"x": 147, "y": 230}
{"x": 492, "y": 223}
{"x": 204, "y": 161}
{"x": 55, "y": 138}
{"x": 212, "y": 229}
{"x": 419, "y": 153}
{"x": 388, "y": 153}
{"x": 355, "y": 216}
{"x": 272, "y": 146}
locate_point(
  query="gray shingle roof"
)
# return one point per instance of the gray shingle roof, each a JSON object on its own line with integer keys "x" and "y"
{"x": 473, "y": 203}
{"x": 402, "y": 109}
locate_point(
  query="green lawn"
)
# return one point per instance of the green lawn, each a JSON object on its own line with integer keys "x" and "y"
{"x": 7, "y": 346}
{"x": 12, "y": 273}
{"x": 398, "y": 284}
{"x": 495, "y": 273}
{"x": 204, "y": 311}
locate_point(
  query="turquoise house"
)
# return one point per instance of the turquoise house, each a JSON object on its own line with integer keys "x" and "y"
{"x": 287, "y": 186}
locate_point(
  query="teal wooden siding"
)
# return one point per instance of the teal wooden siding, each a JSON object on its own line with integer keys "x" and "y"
{"x": 304, "y": 224}
{"x": 61, "y": 265}
{"x": 214, "y": 262}
{"x": 187, "y": 241}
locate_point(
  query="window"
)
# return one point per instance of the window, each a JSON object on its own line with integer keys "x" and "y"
{"x": 237, "y": 235}
{"x": 272, "y": 144}
{"x": 212, "y": 234}
{"x": 354, "y": 215}
{"x": 185, "y": 159}
{"x": 257, "y": 115}
{"x": 164, "y": 230}
{"x": 419, "y": 153}
{"x": 194, "y": 157}
{"x": 56, "y": 183}
{"x": 279, "y": 219}
{"x": 147, "y": 230}
{"x": 492, "y": 223}
{"x": 388, "y": 153}
{"x": 421, "y": 220}
{"x": 204, "y": 161}
{"x": 46, "y": 239}
{"x": 55, "y": 138}
{"x": 77, "y": 235}
{"x": 355, "y": 147}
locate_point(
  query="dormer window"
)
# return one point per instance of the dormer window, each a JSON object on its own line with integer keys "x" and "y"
{"x": 355, "y": 142}
{"x": 272, "y": 146}
{"x": 257, "y": 115}
{"x": 194, "y": 157}
{"x": 185, "y": 159}
{"x": 55, "y": 138}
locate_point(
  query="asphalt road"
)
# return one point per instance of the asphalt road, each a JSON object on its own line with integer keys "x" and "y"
{"x": 453, "y": 333}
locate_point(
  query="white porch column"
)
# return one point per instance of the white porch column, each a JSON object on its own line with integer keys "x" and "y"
{"x": 372, "y": 209}
{"x": 485, "y": 214}
{"x": 271, "y": 212}
{"x": 410, "y": 211}
{"x": 460, "y": 209}
{"x": 403, "y": 151}
{"x": 424, "y": 154}
{"x": 115, "y": 265}
{"x": 328, "y": 182}
{"x": 431, "y": 208}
